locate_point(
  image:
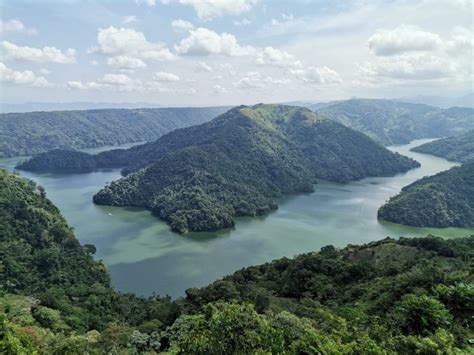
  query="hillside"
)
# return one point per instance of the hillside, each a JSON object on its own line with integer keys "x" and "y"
{"x": 459, "y": 148}
{"x": 35, "y": 132}
{"x": 442, "y": 200}
{"x": 406, "y": 296}
{"x": 204, "y": 176}
{"x": 392, "y": 122}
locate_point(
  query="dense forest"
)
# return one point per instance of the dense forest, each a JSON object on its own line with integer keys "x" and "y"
{"x": 393, "y": 122}
{"x": 442, "y": 200}
{"x": 459, "y": 148}
{"x": 391, "y": 296}
{"x": 35, "y": 132}
{"x": 204, "y": 176}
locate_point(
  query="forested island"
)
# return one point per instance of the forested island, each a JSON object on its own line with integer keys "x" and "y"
{"x": 394, "y": 122}
{"x": 442, "y": 200}
{"x": 201, "y": 177}
{"x": 36, "y": 132}
{"x": 391, "y": 296}
{"x": 459, "y": 148}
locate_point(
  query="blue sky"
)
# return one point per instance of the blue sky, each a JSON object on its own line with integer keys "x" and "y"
{"x": 210, "y": 52}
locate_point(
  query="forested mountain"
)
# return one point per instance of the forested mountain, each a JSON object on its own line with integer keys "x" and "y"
{"x": 442, "y": 200}
{"x": 35, "y": 132}
{"x": 459, "y": 148}
{"x": 203, "y": 176}
{"x": 392, "y": 122}
{"x": 407, "y": 296}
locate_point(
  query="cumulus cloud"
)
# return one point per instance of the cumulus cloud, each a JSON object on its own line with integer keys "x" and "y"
{"x": 40, "y": 55}
{"x": 182, "y": 25}
{"x": 252, "y": 80}
{"x": 128, "y": 42}
{"x": 203, "y": 41}
{"x": 26, "y": 77}
{"x": 274, "y": 56}
{"x": 209, "y": 9}
{"x": 317, "y": 75}
{"x": 164, "y": 76}
{"x": 124, "y": 62}
{"x": 16, "y": 26}
{"x": 403, "y": 39}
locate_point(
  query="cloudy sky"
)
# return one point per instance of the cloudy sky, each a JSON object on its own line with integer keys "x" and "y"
{"x": 210, "y": 52}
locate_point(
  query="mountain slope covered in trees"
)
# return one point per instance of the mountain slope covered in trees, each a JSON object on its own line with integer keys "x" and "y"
{"x": 406, "y": 296}
{"x": 35, "y": 132}
{"x": 442, "y": 200}
{"x": 392, "y": 122}
{"x": 204, "y": 176}
{"x": 459, "y": 148}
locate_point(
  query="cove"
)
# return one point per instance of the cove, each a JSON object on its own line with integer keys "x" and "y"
{"x": 144, "y": 256}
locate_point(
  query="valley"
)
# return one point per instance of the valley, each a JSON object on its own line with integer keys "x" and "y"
{"x": 135, "y": 245}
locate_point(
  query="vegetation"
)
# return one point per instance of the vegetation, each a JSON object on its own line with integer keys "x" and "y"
{"x": 405, "y": 296}
{"x": 393, "y": 122}
{"x": 238, "y": 163}
{"x": 459, "y": 148}
{"x": 443, "y": 200}
{"x": 35, "y": 132}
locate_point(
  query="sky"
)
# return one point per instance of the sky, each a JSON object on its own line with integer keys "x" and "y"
{"x": 230, "y": 52}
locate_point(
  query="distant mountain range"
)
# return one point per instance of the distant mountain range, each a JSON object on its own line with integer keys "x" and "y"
{"x": 199, "y": 178}
{"x": 393, "y": 122}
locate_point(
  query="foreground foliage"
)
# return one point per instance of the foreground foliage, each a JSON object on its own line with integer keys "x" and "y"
{"x": 393, "y": 122}
{"x": 35, "y": 132}
{"x": 201, "y": 177}
{"x": 406, "y": 296}
{"x": 443, "y": 200}
{"x": 459, "y": 148}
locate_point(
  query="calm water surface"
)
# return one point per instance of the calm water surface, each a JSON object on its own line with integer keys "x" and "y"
{"x": 144, "y": 256}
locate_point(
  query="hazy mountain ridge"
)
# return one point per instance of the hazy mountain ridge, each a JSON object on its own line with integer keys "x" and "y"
{"x": 392, "y": 122}
{"x": 35, "y": 132}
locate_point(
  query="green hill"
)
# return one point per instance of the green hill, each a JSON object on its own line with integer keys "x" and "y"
{"x": 203, "y": 176}
{"x": 392, "y": 122}
{"x": 403, "y": 297}
{"x": 442, "y": 200}
{"x": 459, "y": 148}
{"x": 35, "y": 132}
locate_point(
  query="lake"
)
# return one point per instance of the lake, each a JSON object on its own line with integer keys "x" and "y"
{"x": 144, "y": 256}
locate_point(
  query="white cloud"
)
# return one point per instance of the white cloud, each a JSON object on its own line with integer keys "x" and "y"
{"x": 274, "y": 56}
{"x": 461, "y": 41}
{"x": 217, "y": 89}
{"x": 203, "y": 66}
{"x": 403, "y": 39}
{"x": 41, "y": 55}
{"x": 408, "y": 67}
{"x": 128, "y": 42}
{"x": 150, "y": 3}
{"x": 125, "y": 62}
{"x": 129, "y": 19}
{"x": 252, "y": 80}
{"x": 203, "y": 41}
{"x": 317, "y": 75}
{"x": 26, "y": 77}
{"x": 243, "y": 22}
{"x": 117, "y": 79}
{"x": 209, "y": 9}
{"x": 164, "y": 76}
{"x": 182, "y": 25}
{"x": 16, "y": 26}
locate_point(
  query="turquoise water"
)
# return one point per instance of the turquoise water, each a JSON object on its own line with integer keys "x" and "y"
{"x": 144, "y": 256}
